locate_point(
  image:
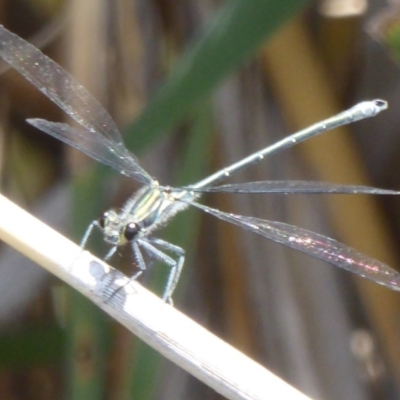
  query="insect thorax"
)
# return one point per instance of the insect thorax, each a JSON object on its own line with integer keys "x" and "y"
{"x": 148, "y": 209}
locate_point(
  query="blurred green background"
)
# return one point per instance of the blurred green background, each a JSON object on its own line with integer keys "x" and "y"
{"x": 195, "y": 86}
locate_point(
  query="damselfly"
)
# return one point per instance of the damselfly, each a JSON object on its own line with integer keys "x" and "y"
{"x": 153, "y": 205}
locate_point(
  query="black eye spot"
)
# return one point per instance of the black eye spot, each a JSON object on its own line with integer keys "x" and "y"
{"x": 131, "y": 231}
{"x": 102, "y": 221}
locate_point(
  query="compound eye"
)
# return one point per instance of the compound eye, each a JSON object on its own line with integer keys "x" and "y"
{"x": 102, "y": 221}
{"x": 131, "y": 231}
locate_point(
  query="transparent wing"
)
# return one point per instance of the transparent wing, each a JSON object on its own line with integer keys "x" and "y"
{"x": 314, "y": 244}
{"x": 96, "y": 146}
{"x": 293, "y": 187}
{"x": 58, "y": 85}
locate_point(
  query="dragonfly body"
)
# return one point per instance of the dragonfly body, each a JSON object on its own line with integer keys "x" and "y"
{"x": 152, "y": 206}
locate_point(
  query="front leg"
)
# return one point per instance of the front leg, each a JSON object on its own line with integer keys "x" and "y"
{"x": 85, "y": 238}
{"x": 88, "y": 233}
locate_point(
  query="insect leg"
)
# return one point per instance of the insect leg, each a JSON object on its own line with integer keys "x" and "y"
{"x": 139, "y": 259}
{"x": 88, "y": 233}
{"x": 176, "y": 270}
{"x": 110, "y": 253}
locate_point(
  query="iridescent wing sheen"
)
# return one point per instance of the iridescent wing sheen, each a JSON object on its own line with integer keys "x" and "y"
{"x": 315, "y": 245}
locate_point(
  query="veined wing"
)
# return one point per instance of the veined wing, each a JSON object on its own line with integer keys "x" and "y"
{"x": 60, "y": 87}
{"x": 314, "y": 244}
{"x": 57, "y": 84}
{"x": 309, "y": 187}
{"x": 95, "y": 146}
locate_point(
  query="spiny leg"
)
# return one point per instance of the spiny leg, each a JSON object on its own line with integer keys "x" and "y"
{"x": 176, "y": 270}
{"x": 138, "y": 256}
{"x": 139, "y": 259}
{"x": 176, "y": 266}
